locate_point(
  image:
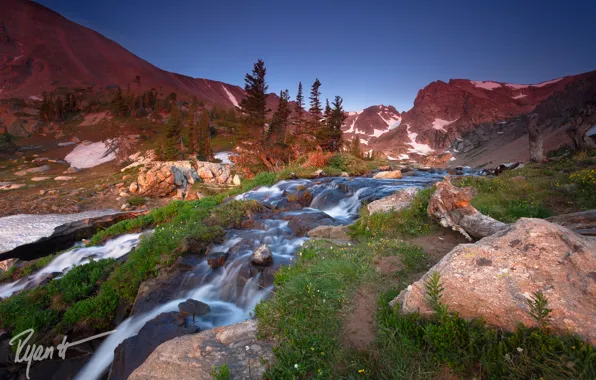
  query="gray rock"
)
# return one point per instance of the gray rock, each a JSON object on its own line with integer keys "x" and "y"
{"x": 262, "y": 255}
{"x": 394, "y": 202}
{"x": 193, "y": 307}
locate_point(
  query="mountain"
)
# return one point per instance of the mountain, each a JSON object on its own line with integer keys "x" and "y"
{"x": 40, "y": 50}
{"x": 370, "y": 122}
{"x": 444, "y": 112}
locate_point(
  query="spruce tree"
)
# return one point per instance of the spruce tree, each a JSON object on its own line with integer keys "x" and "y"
{"x": 173, "y": 136}
{"x": 315, "y": 100}
{"x": 338, "y": 117}
{"x": 193, "y": 132}
{"x": 280, "y": 119}
{"x": 204, "y": 152}
{"x": 327, "y": 113}
{"x": 355, "y": 148}
{"x": 254, "y": 105}
{"x": 299, "y": 103}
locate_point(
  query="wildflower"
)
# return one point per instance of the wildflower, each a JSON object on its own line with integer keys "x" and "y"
{"x": 247, "y": 348}
{"x": 361, "y": 371}
{"x": 296, "y": 365}
{"x": 312, "y": 348}
{"x": 520, "y": 350}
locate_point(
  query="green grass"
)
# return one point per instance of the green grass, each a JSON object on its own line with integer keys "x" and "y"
{"x": 304, "y": 313}
{"x": 412, "y": 221}
{"x": 536, "y": 191}
{"x": 136, "y": 200}
{"x": 42, "y": 307}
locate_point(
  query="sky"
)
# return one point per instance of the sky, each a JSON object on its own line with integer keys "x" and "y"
{"x": 368, "y": 52}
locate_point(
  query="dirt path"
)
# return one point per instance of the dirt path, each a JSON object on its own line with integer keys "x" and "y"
{"x": 359, "y": 326}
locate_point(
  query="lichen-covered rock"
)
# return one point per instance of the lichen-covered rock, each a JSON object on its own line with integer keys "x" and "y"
{"x": 166, "y": 179}
{"x": 195, "y": 356}
{"x": 339, "y": 233}
{"x": 394, "y": 174}
{"x": 174, "y": 178}
{"x": 262, "y": 255}
{"x": 494, "y": 278}
{"x": 394, "y": 202}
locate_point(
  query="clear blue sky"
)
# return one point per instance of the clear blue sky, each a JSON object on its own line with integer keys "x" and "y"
{"x": 369, "y": 52}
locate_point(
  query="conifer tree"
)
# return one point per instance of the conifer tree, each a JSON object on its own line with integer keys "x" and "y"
{"x": 204, "y": 152}
{"x": 299, "y": 103}
{"x": 315, "y": 100}
{"x": 193, "y": 132}
{"x": 173, "y": 136}
{"x": 254, "y": 105}
{"x": 327, "y": 113}
{"x": 279, "y": 121}
{"x": 118, "y": 104}
{"x": 338, "y": 117}
{"x": 355, "y": 148}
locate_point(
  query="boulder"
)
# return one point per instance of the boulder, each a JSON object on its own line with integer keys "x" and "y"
{"x": 216, "y": 173}
{"x": 134, "y": 187}
{"x": 167, "y": 179}
{"x": 262, "y": 255}
{"x": 339, "y": 233}
{"x": 72, "y": 170}
{"x": 132, "y": 352}
{"x": 494, "y": 278}
{"x": 195, "y": 356}
{"x": 394, "y": 202}
{"x": 394, "y": 174}
{"x": 302, "y": 223}
{"x": 217, "y": 259}
{"x": 193, "y": 307}
{"x": 63, "y": 178}
{"x": 38, "y": 179}
{"x": 159, "y": 290}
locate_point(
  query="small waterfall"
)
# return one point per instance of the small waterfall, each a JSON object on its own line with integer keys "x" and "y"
{"x": 113, "y": 249}
{"x": 232, "y": 291}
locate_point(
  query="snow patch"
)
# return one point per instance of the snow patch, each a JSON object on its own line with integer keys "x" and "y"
{"x": 486, "y": 85}
{"x": 542, "y": 84}
{"x": 391, "y": 122}
{"x": 440, "y": 124}
{"x": 35, "y": 97}
{"x": 87, "y": 156}
{"x": 230, "y": 96}
{"x": 16, "y": 230}
{"x": 519, "y": 96}
{"x": 225, "y": 157}
{"x": 422, "y": 149}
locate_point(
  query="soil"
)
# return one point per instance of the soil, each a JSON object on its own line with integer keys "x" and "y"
{"x": 359, "y": 327}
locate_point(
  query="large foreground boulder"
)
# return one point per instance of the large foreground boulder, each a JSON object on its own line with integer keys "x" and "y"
{"x": 195, "y": 356}
{"x": 494, "y": 278}
{"x": 394, "y": 202}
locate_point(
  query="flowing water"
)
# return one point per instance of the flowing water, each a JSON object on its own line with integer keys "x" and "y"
{"x": 233, "y": 290}
{"x": 64, "y": 262}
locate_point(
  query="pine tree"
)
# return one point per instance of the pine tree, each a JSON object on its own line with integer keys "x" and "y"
{"x": 327, "y": 113}
{"x": 193, "y": 131}
{"x": 254, "y": 105}
{"x": 299, "y": 103}
{"x": 204, "y": 152}
{"x": 315, "y": 100}
{"x": 338, "y": 117}
{"x": 118, "y": 105}
{"x": 173, "y": 136}
{"x": 280, "y": 119}
{"x": 355, "y": 148}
